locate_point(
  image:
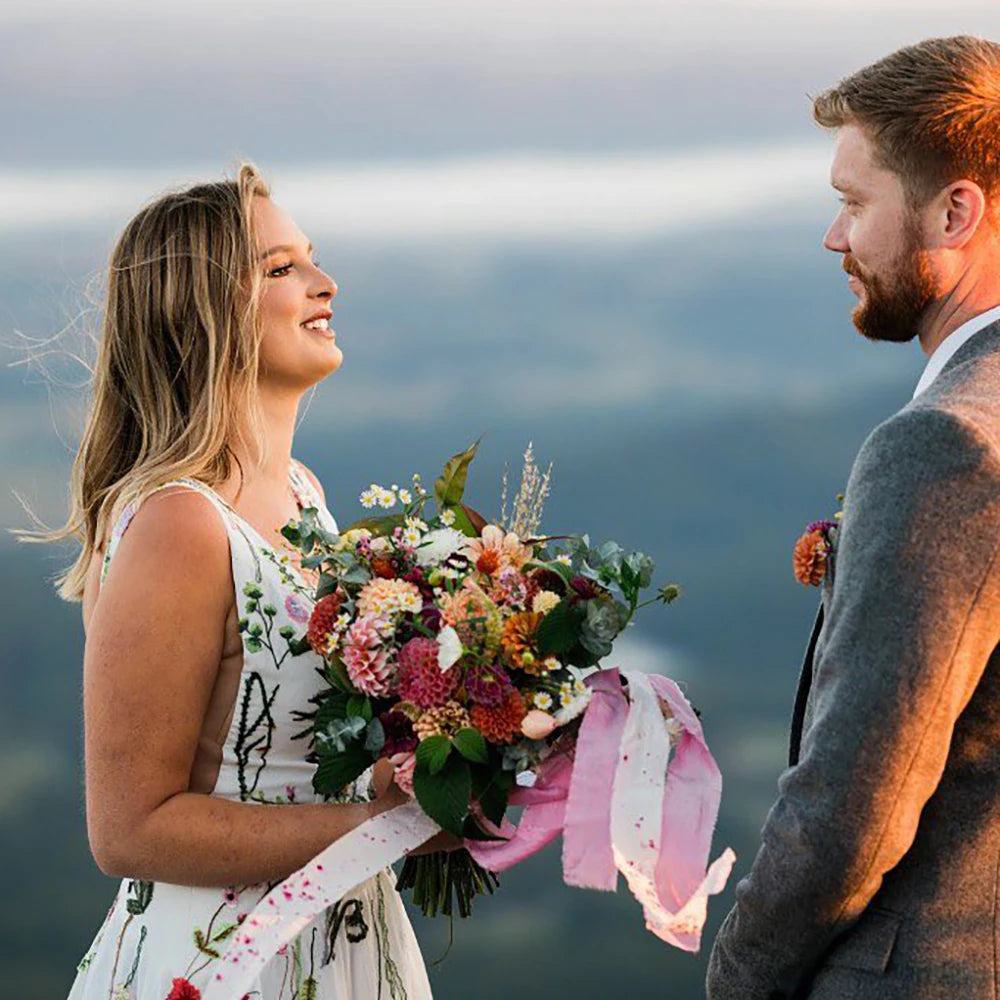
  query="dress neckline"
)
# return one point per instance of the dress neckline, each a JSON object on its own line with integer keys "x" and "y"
{"x": 300, "y": 503}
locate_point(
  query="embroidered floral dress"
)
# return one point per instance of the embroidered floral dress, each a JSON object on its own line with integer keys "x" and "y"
{"x": 161, "y": 940}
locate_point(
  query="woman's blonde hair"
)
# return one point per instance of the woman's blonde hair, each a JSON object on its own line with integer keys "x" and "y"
{"x": 175, "y": 379}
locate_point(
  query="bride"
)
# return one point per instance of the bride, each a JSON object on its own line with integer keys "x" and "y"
{"x": 217, "y": 321}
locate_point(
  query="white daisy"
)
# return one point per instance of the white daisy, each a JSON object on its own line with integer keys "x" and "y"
{"x": 410, "y": 537}
{"x": 543, "y": 700}
{"x": 368, "y": 499}
{"x": 447, "y": 518}
{"x": 405, "y": 496}
{"x": 387, "y": 499}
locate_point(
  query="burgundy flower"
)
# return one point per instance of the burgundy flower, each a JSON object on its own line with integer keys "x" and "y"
{"x": 584, "y": 588}
{"x": 487, "y": 684}
{"x": 399, "y": 734}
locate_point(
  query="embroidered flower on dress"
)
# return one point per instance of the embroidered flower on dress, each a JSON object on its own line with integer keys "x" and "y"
{"x": 183, "y": 989}
{"x": 297, "y": 608}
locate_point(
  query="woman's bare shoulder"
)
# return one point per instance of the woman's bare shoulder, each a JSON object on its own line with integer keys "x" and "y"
{"x": 176, "y": 533}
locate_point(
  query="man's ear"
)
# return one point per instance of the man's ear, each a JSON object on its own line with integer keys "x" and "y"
{"x": 960, "y": 210}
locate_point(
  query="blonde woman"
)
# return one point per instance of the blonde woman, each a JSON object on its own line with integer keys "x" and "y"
{"x": 217, "y": 321}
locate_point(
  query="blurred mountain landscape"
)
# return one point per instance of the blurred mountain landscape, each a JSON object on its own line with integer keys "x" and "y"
{"x": 701, "y": 398}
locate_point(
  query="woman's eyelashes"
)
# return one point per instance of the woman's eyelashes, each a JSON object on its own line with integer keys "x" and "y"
{"x": 283, "y": 269}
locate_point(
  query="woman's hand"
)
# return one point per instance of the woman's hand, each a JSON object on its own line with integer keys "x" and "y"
{"x": 388, "y": 795}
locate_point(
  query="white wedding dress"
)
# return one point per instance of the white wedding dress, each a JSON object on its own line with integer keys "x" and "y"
{"x": 162, "y": 941}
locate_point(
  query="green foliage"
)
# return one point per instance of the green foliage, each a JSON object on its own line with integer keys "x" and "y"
{"x": 560, "y": 628}
{"x": 337, "y": 769}
{"x": 471, "y": 745}
{"x": 433, "y": 753}
{"x": 444, "y": 796}
{"x": 450, "y": 486}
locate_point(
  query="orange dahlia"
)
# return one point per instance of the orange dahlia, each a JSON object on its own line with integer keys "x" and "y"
{"x": 518, "y": 641}
{"x": 324, "y": 614}
{"x": 811, "y": 557}
{"x": 502, "y": 723}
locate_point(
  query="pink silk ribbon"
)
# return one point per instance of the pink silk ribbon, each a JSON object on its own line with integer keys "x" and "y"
{"x": 621, "y": 801}
{"x": 625, "y": 804}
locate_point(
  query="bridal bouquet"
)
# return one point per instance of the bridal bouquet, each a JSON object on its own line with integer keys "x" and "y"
{"x": 458, "y": 650}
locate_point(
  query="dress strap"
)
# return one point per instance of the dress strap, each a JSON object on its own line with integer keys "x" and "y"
{"x": 124, "y": 519}
{"x": 308, "y": 496}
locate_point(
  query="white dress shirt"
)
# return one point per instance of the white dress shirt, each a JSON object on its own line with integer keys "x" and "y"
{"x": 947, "y": 348}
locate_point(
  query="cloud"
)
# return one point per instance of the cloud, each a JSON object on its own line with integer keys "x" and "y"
{"x": 521, "y": 198}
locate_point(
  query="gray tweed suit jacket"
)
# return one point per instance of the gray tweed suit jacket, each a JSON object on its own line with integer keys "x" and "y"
{"x": 879, "y": 869}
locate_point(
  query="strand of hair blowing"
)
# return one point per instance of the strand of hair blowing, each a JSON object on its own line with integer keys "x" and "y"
{"x": 174, "y": 384}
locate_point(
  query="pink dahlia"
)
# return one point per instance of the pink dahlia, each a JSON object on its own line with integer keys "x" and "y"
{"x": 368, "y": 662}
{"x": 421, "y": 680}
{"x": 487, "y": 684}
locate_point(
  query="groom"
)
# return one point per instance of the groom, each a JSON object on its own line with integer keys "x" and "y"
{"x": 879, "y": 871}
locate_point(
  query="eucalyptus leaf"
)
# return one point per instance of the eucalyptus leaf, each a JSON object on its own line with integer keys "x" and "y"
{"x": 374, "y": 737}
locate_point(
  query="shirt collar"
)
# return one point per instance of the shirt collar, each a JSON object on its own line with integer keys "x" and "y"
{"x": 948, "y": 347}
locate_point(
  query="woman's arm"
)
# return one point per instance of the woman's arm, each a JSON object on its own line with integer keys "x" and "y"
{"x": 155, "y": 639}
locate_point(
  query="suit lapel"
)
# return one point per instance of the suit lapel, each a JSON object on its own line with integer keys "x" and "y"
{"x": 802, "y": 695}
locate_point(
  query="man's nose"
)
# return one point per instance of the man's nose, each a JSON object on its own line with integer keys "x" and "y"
{"x": 835, "y": 238}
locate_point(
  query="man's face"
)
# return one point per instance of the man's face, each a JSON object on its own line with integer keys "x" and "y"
{"x": 881, "y": 240}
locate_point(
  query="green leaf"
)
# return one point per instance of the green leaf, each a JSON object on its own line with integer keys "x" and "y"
{"x": 450, "y": 487}
{"x": 471, "y": 745}
{"x": 361, "y": 706}
{"x": 327, "y": 585}
{"x": 463, "y": 522}
{"x": 336, "y": 770}
{"x": 445, "y": 796}
{"x": 433, "y": 752}
{"x": 374, "y": 737}
{"x": 337, "y": 675}
{"x": 560, "y": 628}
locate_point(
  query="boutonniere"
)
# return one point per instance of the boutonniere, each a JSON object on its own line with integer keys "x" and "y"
{"x": 814, "y": 550}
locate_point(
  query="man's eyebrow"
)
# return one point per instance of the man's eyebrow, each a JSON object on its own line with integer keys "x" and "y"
{"x": 282, "y": 247}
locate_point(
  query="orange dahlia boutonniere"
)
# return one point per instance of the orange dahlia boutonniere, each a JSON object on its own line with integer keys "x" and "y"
{"x": 813, "y": 552}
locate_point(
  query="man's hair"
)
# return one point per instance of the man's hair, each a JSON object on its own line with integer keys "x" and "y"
{"x": 932, "y": 111}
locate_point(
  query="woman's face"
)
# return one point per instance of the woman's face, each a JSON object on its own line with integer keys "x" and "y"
{"x": 298, "y": 346}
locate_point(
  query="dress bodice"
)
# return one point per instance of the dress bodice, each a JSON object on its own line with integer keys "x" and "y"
{"x": 248, "y": 748}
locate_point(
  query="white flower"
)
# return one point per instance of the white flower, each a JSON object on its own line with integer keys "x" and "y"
{"x": 386, "y": 499}
{"x": 343, "y": 622}
{"x": 574, "y": 705}
{"x": 415, "y": 522}
{"x": 368, "y": 499}
{"x": 410, "y": 537}
{"x": 544, "y": 602}
{"x": 449, "y": 648}
{"x": 564, "y": 559}
{"x": 447, "y": 518}
{"x": 565, "y": 693}
{"x": 551, "y": 664}
{"x": 405, "y": 496}
{"x": 410, "y": 602}
{"x": 543, "y": 700}
{"x": 439, "y": 545}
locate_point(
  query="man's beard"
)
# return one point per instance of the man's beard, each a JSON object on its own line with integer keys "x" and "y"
{"x": 895, "y": 303}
